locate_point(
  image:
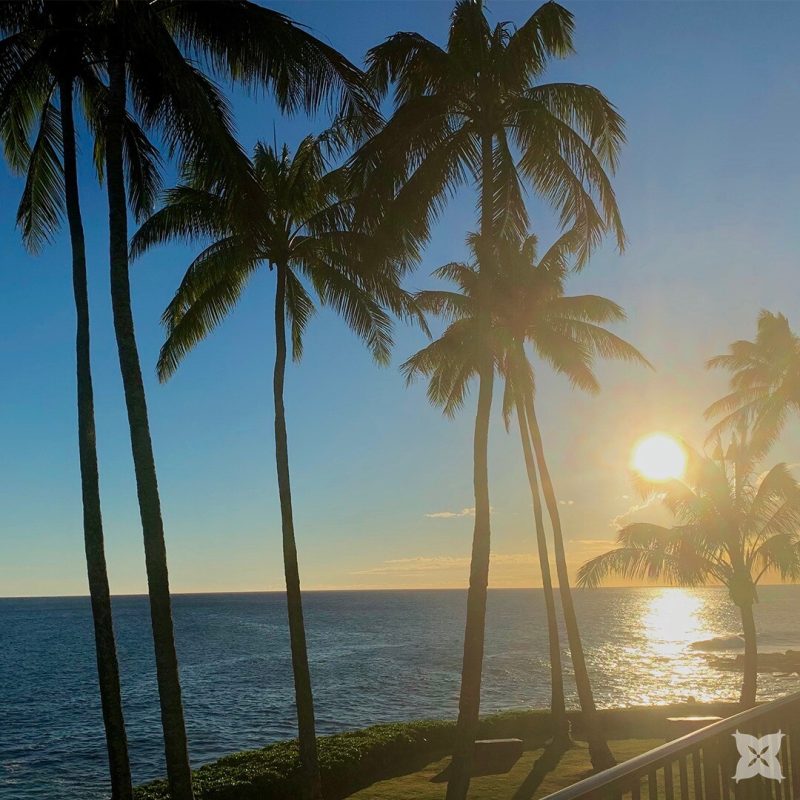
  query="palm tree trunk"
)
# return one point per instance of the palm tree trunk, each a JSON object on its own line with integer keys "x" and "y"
{"x": 169, "y": 688}
{"x": 304, "y": 699}
{"x": 105, "y": 645}
{"x": 472, "y": 666}
{"x": 557, "y": 705}
{"x": 748, "y": 695}
{"x": 598, "y": 746}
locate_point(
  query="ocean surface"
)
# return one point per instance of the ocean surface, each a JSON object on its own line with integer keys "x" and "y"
{"x": 375, "y": 657}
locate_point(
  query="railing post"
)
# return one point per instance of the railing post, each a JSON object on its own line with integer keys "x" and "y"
{"x": 683, "y": 775}
{"x": 669, "y": 790}
{"x": 794, "y": 756}
{"x": 697, "y": 774}
{"x": 711, "y": 770}
{"x": 652, "y": 785}
{"x": 787, "y": 784}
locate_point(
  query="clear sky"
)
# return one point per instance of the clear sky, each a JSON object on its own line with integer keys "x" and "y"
{"x": 709, "y": 188}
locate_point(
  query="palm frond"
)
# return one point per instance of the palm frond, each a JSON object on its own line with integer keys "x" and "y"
{"x": 566, "y": 171}
{"x": 187, "y": 214}
{"x": 299, "y": 310}
{"x": 450, "y": 305}
{"x": 510, "y": 216}
{"x": 228, "y": 260}
{"x": 26, "y": 86}
{"x": 414, "y": 64}
{"x": 546, "y": 34}
{"x": 600, "y": 341}
{"x": 449, "y": 362}
{"x": 208, "y": 292}
{"x": 41, "y": 207}
{"x": 355, "y": 305}
{"x": 259, "y": 47}
{"x": 589, "y": 112}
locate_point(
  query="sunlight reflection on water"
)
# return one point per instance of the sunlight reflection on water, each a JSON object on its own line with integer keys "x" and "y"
{"x": 671, "y": 624}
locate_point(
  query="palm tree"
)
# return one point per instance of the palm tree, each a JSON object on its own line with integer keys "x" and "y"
{"x": 154, "y": 53}
{"x": 764, "y": 383}
{"x": 566, "y": 333}
{"x": 147, "y": 49}
{"x": 298, "y": 225}
{"x": 43, "y": 57}
{"x": 464, "y": 113}
{"x": 558, "y": 710}
{"x": 527, "y": 303}
{"x": 732, "y": 527}
{"x": 570, "y": 352}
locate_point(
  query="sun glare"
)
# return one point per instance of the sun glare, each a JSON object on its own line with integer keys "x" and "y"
{"x": 659, "y": 457}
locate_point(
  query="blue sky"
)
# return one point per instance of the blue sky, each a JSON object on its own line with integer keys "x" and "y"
{"x": 708, "y": 187}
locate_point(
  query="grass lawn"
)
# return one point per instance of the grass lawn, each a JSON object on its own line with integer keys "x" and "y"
{"x": 518, "y": 784}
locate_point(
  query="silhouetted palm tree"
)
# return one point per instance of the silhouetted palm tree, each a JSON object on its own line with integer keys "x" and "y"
{"x": 146, "y": 47}
{"x": 527, "y": 304}
{"x": 566, "y": 332}
{"x": 153, "y": 54}
{"x": 764, "y": 383}
{"x": 43, "y": 56}
{"x": 732, "y": 527}
{"x": 298, "y": 225}
{"x": 464, "y": 113}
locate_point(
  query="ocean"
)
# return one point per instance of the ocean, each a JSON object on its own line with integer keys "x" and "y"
{"x": 375, "y": 657}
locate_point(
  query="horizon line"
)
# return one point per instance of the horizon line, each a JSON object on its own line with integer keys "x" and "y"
{"x": 368, "y": 589}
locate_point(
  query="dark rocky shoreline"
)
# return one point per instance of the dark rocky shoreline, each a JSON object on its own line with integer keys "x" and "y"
{"x": 787, "y": 663}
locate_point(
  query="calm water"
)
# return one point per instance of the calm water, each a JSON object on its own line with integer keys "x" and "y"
{"x": 376, "y": 656}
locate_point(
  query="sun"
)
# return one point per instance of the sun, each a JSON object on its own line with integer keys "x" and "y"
{"x": 659, "y": 457}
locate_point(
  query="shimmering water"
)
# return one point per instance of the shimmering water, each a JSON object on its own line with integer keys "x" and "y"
{"x": 376, "y": 656}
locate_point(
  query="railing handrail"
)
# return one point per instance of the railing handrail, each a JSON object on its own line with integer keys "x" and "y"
{"x": 668, "y": 752}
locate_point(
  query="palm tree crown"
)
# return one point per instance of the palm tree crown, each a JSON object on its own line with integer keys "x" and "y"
{"x": 528, "y": 306}
{"x": 764, "y": 382}
{"x": 45, "y": 44}
{"x": 482, "y": 90}
{"x": 297, "y": 218}
{"x": 732, "y": 526}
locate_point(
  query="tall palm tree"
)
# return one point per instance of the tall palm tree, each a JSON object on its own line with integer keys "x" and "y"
{"x": 155, "y": 54}
{"x": 527, "y": 304}
{"x": 298, "y": 226}
{"x": 150, "y": 51}
{"x": 732, "y": 527}
{"x": 558, "y": 709}
{"x": 43, "y": 56}
{"x": 474, "y": 111}
{"x": 566, "y": 333}
{"x": 764, "y": 382}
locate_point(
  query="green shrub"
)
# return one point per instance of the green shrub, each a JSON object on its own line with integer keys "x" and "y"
{"x": 355, "y": 759}
{"x": 348, "y": 761}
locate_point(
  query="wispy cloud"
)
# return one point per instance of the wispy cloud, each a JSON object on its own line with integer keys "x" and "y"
{"x": 416, "y": 565}
{"x": 652, "y": 505}
{"x": 590, "y": 547}
{"x": 465, "y": 512}
{"x": 506, "y": 569}
{"x": 426, "y": 564}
